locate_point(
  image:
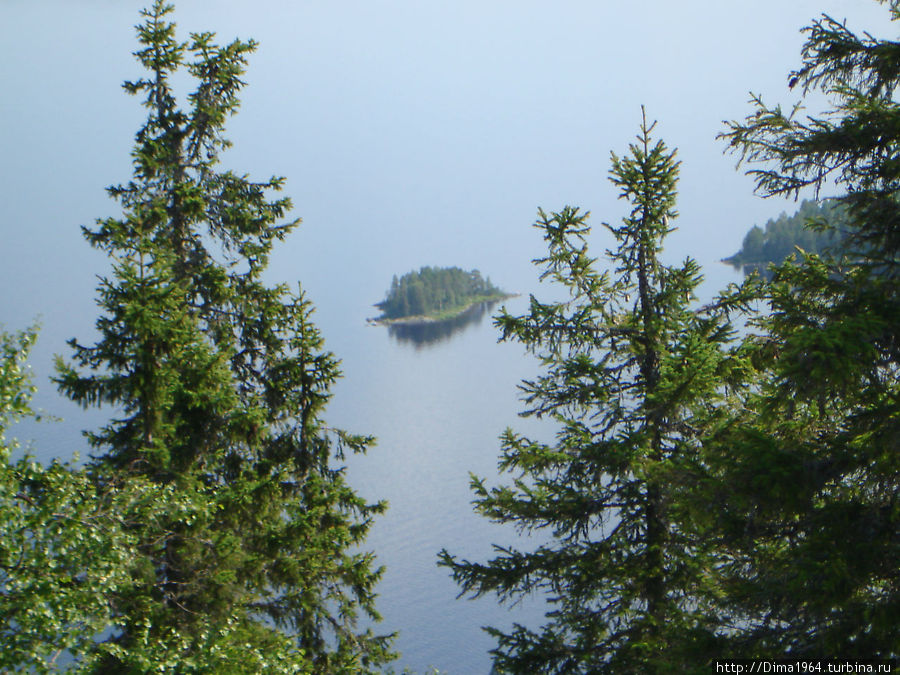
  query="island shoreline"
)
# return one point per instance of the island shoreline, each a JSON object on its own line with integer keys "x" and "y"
{"x": 425, "y": 319}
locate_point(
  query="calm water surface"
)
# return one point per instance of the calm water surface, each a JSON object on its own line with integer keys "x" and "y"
{"x": 437, "y": 402}
{"x": 437, "y": 408}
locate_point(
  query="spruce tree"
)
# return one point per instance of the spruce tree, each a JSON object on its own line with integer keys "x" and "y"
{"x": 220, "y": 382}
{"x": 635, "y": 375}
{"x": 812, "y": 519}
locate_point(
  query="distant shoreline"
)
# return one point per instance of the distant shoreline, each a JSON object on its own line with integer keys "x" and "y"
{"x": 425, "y": 319}
{"x": 747, "y": 266}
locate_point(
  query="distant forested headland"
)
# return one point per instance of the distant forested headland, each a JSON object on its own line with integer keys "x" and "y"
{"x": 815, "y": 228}
{"x": 435, "y": 293}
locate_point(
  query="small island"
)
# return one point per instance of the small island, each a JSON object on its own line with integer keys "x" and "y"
{"x": 435, "y": 294}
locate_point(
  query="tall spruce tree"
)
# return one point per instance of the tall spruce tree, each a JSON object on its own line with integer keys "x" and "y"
{"x": 634, "y": 378}
{"x": 221, "y": 381}
{"x": 812, "y": 517}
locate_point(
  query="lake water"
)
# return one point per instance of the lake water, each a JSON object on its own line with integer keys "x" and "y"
{"x": 437, "y": 406}
{"x": 437, "y": 401}
{"x": 437, "y": 409}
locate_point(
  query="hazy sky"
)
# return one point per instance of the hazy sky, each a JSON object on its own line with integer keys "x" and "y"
{"x": 410, "y": 132}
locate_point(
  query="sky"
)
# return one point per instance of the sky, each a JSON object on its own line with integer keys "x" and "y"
{"x": 411, "y": 133}
{"x": 408, "y": 128}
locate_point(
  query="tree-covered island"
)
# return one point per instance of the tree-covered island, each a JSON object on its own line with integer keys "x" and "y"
{"x": 435, "y": 294}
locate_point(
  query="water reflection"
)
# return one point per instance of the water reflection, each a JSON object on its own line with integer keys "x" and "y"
{"x": 426, "y": 334}
{"x": 762, "y": 269}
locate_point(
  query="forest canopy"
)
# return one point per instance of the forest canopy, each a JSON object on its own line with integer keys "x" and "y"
{"x": 815, "y": 228}
{"x": 436, "y": 291}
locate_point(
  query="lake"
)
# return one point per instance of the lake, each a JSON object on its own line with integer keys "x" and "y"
{"x": 437, "y": 408}
{"x": 437, "y": 400}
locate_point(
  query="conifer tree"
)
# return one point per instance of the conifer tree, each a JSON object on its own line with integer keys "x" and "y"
{"x": 221, "y": 381}
{"x": 811, "y": 521}
{"x": 633, "y": 379}
{"x": 69, "y": 544}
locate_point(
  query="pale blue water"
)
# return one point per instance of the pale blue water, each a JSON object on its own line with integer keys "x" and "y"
{"x": 437, "y": 409}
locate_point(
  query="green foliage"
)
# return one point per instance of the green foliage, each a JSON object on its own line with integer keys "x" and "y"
{"x": 816, "y": 227}
{"x": 219, "y": 382}
{"x": 635, "y": 380}
{"x": 15, "y": 385}
{"x": 436, "y": 290}
{"x": 66, "y": 548}
{"x": 811, "y": 522}
{"x": 63, "y": 549}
